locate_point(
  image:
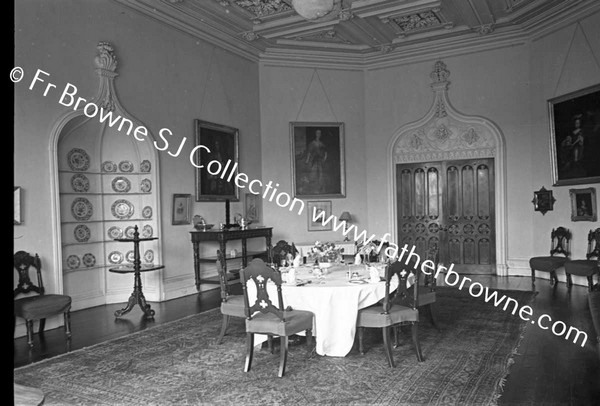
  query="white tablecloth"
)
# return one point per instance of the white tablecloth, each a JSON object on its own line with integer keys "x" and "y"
{"x": 334, "y": 301}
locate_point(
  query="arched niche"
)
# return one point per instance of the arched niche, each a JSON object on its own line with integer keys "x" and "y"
{"x": 104, "y": 182}
{"x": 445, "y": 134}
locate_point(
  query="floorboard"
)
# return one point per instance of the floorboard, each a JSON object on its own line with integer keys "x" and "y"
{"x": 548, "y": 370}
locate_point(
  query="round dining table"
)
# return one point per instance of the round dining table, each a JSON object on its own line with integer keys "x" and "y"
{"x": 334, "y": 295}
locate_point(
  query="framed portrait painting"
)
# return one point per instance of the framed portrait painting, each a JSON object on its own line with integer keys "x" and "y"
{"x": 314, "y": 209}
{"x": 182, "y": 209}
{"x": 575, "y": 137}
{"x": 217, "y": 149}
{"x": 318, "y": 167}
{"x": 583, "y": 204}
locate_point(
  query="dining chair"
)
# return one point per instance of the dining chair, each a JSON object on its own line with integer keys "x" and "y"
{"x": 586, "y": 267}
{"x": 231, "y": 305}
{"x": 594, "y": 305}
{"x": 427, "y": 287}
{"x": 398, "y": 308}
{"x": 265, "y": 317}
{"x": 40, "y": 305}
{"x": 560, "y": 239}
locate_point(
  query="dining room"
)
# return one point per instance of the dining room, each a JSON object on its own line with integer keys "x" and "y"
{"x": 161, "y": 147}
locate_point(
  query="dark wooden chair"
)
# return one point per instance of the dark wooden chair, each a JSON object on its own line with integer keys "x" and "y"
{"x": 399, "y": 308}
{"x": 594, "y": 303}
{"x": 231, "y": 305}
{"x": 586, "y": 267}
{"x": 560, "y": 238}
{"x": 427, "y": 286}
{"x": 264, "y": 317}
{"x": 36, "y": 304}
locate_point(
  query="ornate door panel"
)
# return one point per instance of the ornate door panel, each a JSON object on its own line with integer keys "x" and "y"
{"x": 450, "y": 203}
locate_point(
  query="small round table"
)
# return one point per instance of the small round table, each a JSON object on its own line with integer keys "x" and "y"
{"x": 136, "y": 268}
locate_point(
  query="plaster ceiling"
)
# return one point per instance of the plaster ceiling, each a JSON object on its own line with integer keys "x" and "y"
{"x": 362, "y": 32}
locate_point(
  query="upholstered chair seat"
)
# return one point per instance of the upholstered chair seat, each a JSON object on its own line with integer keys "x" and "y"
{"x": 560, "y": 239}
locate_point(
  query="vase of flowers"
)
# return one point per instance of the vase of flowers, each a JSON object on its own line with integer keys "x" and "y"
{"x": 324, "y": 254}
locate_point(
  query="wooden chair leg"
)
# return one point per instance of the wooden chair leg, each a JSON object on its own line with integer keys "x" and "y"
{"x": 396, "y": 334}
{"x": 29, "y": 326}
{"x": 42, "y": 326}
{"x": 283, "y": 355}
{"x": 533, "y": 276}
{"x": 590, "y": 279}
{"x": 415, "y": 337}
{"x": 388, "y": 346}
{"x": 309, "y": 340}
{"x": 361, "y": 333}
{"x": 224, "y": 324}
{"x": 569, "y": 280}
{"x": 249, "y": 351}
{"x": 67, "y": 317}
{"x": 270, "y": 343}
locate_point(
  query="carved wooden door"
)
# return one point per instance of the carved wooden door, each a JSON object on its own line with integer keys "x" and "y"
{"x": 449, "y": 203}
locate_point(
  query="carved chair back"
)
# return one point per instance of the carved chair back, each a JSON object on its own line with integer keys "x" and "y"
{"x": 23, "y": 261}
{"x": 594, "y": 245}
{"x": 260, "y": 274}
{"x": 560, "y": 239}
{"x": 403, "y": 295}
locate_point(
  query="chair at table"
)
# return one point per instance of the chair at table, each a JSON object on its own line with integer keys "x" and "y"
{"x": 398, "y": 308}
{"x": 427, "y": 285}
{"x": 40, "y": 305}
{"x": 231, "y": 305}
{"x": 586, "y": 267}
{"x": 560, "y": 239}
{"x": 264, "y": 317}
{"x": 594, "y": 304}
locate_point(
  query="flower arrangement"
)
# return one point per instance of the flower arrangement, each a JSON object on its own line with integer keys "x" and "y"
{"x": 325, "y": 252}
{"x": 369, "y": 249}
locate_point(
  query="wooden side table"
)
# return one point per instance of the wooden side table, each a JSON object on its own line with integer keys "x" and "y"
{"x": 137, "y": 296}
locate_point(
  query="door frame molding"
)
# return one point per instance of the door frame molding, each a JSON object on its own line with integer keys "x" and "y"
{"x": 445, "y": 134}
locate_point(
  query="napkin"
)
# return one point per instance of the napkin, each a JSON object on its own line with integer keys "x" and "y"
{"x": 374, "y": 274}
{"x": 297, "y": 261}
{"x": 357, "y": 259}
{"x": 291, "y": 276}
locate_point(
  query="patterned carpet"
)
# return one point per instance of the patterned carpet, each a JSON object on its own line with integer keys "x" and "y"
{"x": 178, "y": 363}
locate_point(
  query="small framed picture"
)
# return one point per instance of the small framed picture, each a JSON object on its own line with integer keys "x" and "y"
{"x": 252, "y": 208}
{"x": 543, "y": 200}
{"x": 583, "y": 204}
{"x": 182, "y": 207}
{"x": 17, "y": 205}
{"x": 318, "y": 213}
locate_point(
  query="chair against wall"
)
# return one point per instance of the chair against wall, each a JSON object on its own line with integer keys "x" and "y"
{"x": 586, "y": 267}
{"x": 265, "y": 317}
{"x": 231, "y": 305}
{"x": 40, "y": 305}
{"x": 594, "y": 303}
{"x": 560, "y": 238}
{"x": 398, "y": 308}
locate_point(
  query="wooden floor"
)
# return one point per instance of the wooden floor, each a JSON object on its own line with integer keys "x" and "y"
{"x": 548, "y": 370}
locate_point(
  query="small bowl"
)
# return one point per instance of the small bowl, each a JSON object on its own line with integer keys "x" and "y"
{"x": 203, "y": 227}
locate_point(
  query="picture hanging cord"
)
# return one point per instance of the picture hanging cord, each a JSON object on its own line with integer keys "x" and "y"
{"x": 315, "y": 72}
{"x": 569, "y": 51}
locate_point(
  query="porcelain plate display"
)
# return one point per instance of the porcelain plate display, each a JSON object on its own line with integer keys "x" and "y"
{"x": 121, "y": 184}
{"x": 80, "y": 183}
{"x": 78, "y": 160}
{"x": 82, "y": 233}
{"x": 122, "y": 209}
{"x": 115, "y": 232}
{"x": 82, "y": 209}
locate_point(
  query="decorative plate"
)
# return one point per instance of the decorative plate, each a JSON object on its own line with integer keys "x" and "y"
{"x": 122, "y": 209}
{"x": 115, "y": 257}
{"x": 82, "y": 209}
{"x": 78, "y": 160}
{"x": 80, "y": 183}
{"x": 146, "y": 185}
{"x": 149, "y": 256}
{"x": 73, "y": 262}
{"x": 129, "y": 231}
{"x": 125, "y": 166}
{"x": 89, "y": 260}
{"x": 121, "y": 184}
{"x": 109, "y": 166}
{"x": 147, "y": 212}
{"x": 145, "y": 166}
{"x": 130, "y": 256}
{"x": 82, "y": 233}
{"x": 115, "y": 232}
{"x": 147, "y": 231}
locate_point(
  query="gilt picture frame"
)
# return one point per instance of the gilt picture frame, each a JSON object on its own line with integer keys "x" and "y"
{"x": 318, "y": 160}
{"x": 575, "y": 137}
{"x": 543, "y": 201}
{"x": 217, "y": 149}
{"x": 583, "y": 204}
{"x": 182, "y": 209}
{"x": 314, "y": 209}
